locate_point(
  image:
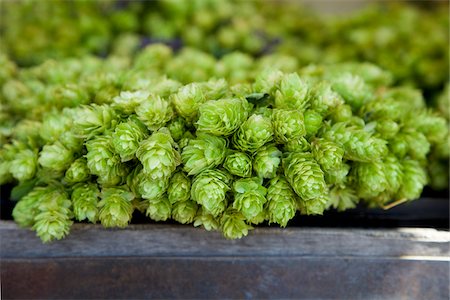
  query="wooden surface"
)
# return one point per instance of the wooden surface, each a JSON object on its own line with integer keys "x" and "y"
{"x": 167, "y": 261}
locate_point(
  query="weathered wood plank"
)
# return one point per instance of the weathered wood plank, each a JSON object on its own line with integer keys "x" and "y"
{"x": 178, "y": 240}
{"x": 224, "y": 277}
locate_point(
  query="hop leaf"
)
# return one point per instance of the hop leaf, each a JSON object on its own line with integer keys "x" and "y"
{"x": 159, "y": 209}
{"x": 266, "y": 161}
{"x": 238, "y": 163}
{"x": 77, "y": 172}
{"x": 292, "y": 93}
{"x": 287, "y": 125}
{"x": 281, "y": 201}
{"x": 24, "y": 165}
{"x": 206, "y": 151}
{"x": 179, "y": 188}
{"x": 209, "y": 189}
{"x": 249, "y": 197}
{"x": 154, "y": 112}
{"x": 158, "y": 156}
{"x": 85, "y": 200}
{"x": 115, "y": 207}
{"x": 222, "y": 117}
{"x": 253, "y": 134}
{"x": 232, "y": 224}
{"x": 328, "y": 154}
{"x": 103, "y": 162}
{"x": 184, "y": 212}
{"x": 304, "y": 175}
{"x": 127, "y": 137}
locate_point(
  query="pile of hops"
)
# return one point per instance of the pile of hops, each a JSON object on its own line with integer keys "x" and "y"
{"x": 94, "y": 140}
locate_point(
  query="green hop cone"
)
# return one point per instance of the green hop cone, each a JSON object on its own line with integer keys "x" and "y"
{"x": 77, "y": 172}
{"x": 314, "y": 207}
{"x": 281, "y": 200}
{"x": 53, "y": 220}
{"x": 151, "y": 188}
{"x": 412, "y": 143}
{"x": 127, "y": 101}
{"x": 268, "y": 80}
{"x": 222, "y": 117}
{"x": 177, "y": 128}
{"x": 249, "y": 197}
{"x": 313, "y": 122}
{"x": 159, "y": 209}
{"x": 26, "y": 209}
{"x": 115, "y": 207}
{"x": 292, "y": 93}
{"x": 266, "y": 161}
{"x": 393, "y": 170}
{"x": 24, "y": 165}
{"x": 324, "y": 99}
{"x": 233, "y": 225}
{"x": 103, "y": 162}
{"x": 414, "y": 179}
{"x": 184, "y": 212}
{"x": 253, "y": 134}
{"x": 179, "y": 188}
{"x": 188, "y": 100}
{"x": 126, "y": 138}
{"x": 206, "y": 151}
{"x": 386, "y": 128}
{"x": 158, "y": 156}
{"x": 353, "y": 89}
{"x": 205, "y": 219}
{"x": 56, "y": 157}
{"x": 238, "y": 164}
{"x": 209, "y": 189}
{"x": 328, "y": 154}
{"x": 337, "y": 176}
{"x": 297, "y": 145}
{"x": 154, "y": 112}
{"x": 85, "y": 200}
{"x": 370, "y": 179}
{"x": 305, "y": 175}
{"x": 92, "y": 120}
{"x": 54, "y": 124}
{"x": 359, "y": 145}
{"x": 342, "y": 198}
{"x": 287, "y": 125}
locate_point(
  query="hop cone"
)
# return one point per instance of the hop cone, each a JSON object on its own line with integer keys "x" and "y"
{"x": 370, "y": 179}
{"x": 154, "y": 112}
{"x": 179, "y": 188}
{"x": 414, "y": 179}
{"x": 158, "y": 156}
{"x": 337, "y": 176}
{"x": 77, "y": 172}
{"x": 328, "y": 154}
{"x": 126, "y": 138}
{"x": 222, "y": 117}
{"x": 115, "y": 207}
{"x": 305, "y": 175}
{"x": 24, "y": 165}
{"x": 26, "y": 209}
{"x": 209, "y": 189}
{"x": 393, "y": 169}
{"x": 55, "y": 157}
{"x": 188, "y": 100}
{"x": 359, "y": 145}
{"x": 249, "y": 197}
{"x": 84, "y": 200}
{"x": 324, "y": 99}
{"x": 292, "y": 93}
{"x": 281, "y": 201}
{"x": 239, "y": 164}
{"x": 233, "y": 225}
{"x": 92, "y": 120}
{"x": 315, "y": 206}
{"x": 177, "y": 128}
{"x": 386, "y": 128}
{"x": 287, "y": 125}
{"x": 297, "y": 145}
{"x": 253, "y": 134}
{"x": 313, "y": 122}
{"x": 103, "y": 162}
{"x": 412, "y": 143}
{"x": 352, "y": 88}
{"x": 206, "y": 151}
{"x": 205, "y": 219}
{"x": 159, "y": 209}
{"x": 151, "y": 188}
{"x": 128, "y": 101}
{"x": 184, "y": 212}
{"x": 342, "y": 198}
{"x": 266, "y": 161}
